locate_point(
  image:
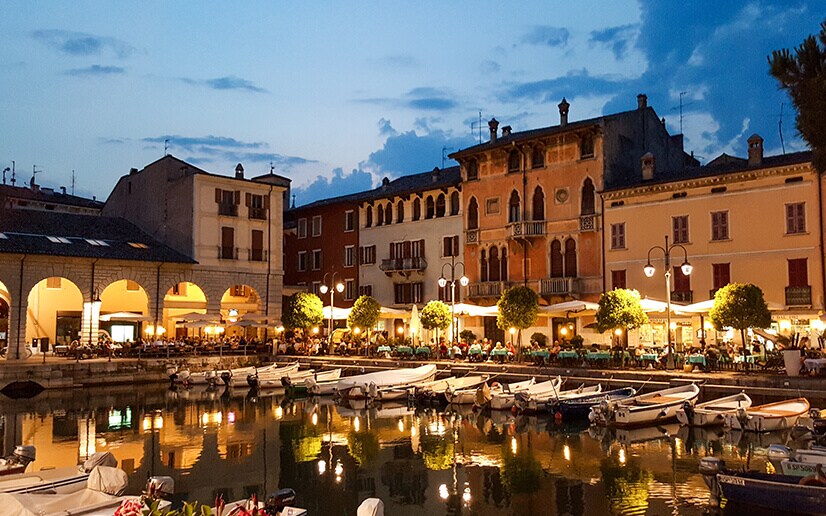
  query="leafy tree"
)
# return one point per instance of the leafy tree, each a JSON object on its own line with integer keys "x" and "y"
{"x": 518, "y": 308}
{"x": 740, "y": 306}
{"x": 304, "y": 310}
{"x": 803, "y": 76}
{"x": 467, "y": 335}
{"x": 435, "y": 315}
{"x": 540, "y": 338}
{"x": 364, "y": 314}
{"x": 620, "y": 308}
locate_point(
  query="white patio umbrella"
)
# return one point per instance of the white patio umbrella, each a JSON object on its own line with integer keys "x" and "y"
{"x": 654, "y": 306}
{"x": 338, "y": 313}
{"x": 196, "y": 316}
{"x": 704, "y": 307}
{"x": 253, "y": 317}
{"x": 125, "y": 316}
{"x": 414, "y": 324}
{"x": 249, "y": 324}
{"x": 569, "y": 308}
{"x": 465, "y": 309}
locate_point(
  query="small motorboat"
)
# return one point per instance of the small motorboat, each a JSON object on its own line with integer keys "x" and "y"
{"x": 270, "y": 380}
{"x": 186, "y": 377}
{"x": 581, "y": 406}
{"x": 529, "y": 403}
{"x": 712, "y": 412}
{"x": 313, "y": 388}
{"x": 57, "y": 480}
{"x": 368, "y": 385}
{"x": 238, "y": 377}
{"x": 783, "y": 493}
{"x": 277, "y": 503}
{"x": 796, "y": 463}
{"x": 17, "y": 461}
{"x": 438, "y": 389}
{"x": 506, "y": 398}
{"x": 766, "y": 418}
{"x": 481, "y": 396}
{"x": 644, "y": 409}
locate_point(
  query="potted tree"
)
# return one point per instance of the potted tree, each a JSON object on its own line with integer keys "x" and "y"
{"x": 620, "y": 309}
{"x": 741, "y": 306}
{"x": 518, "y": 308}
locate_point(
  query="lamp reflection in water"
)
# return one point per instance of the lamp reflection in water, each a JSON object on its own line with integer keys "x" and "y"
{"x": 566, "y": 453}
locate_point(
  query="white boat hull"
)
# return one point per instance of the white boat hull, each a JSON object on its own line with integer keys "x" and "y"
{"x": 540, "y": 403}
{"x": 712, "y": 413}
{"x": 507, "y": 400}
{"x": 768, "y": 418}
{"x": 647, "y": 408}
{"x": 369, "y": 385}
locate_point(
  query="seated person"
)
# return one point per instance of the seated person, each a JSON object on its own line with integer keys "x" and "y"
{"x": 556, "y": 348}
{"x": 639, "y": 351}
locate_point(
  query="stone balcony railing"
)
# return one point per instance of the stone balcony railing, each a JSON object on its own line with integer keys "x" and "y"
{"x": 416, "y": 263}
{"x": 526, "y": 229}
{"x": 556, "y": 286}
{"x": 487, "y": 289}
{"x": 472, "y": 236}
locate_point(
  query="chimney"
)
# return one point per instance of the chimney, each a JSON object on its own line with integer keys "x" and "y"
{"x": 385, "y": 183}
{"x": 63, "y": 190}
{"x": 239, "y": 171}
{"x": 642, "y": 101}
{"x": 494, "y": 127}
{"x": 133, "y": 171}
{"x": 647, "y": 161}
{"x": 755, "y": 150}
{"x": 435, "y": 174}
{"x": 563, "y": 112}
{"x": 506, "y": 131}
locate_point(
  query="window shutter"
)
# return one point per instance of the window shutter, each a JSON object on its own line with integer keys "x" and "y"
{"x": 237, "y": 197}
{"x": 218, "y": 195}
{"x": 266, "y": 201}
{"x": 247, "y": 199}
{"x": 421, "y": 248}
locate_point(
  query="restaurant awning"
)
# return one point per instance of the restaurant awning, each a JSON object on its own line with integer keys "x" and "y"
{"x": 125, "y": 316}
{"x": 575, "y": 308}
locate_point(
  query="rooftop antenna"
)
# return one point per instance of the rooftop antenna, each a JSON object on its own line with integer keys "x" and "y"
{"x": 7, "y": 169}
{"x": 681, "y": 109}
{"x": 272, "y": 168}
{"x": 478, "y": 126}
{"x": 13, "y": 179}
{"x": 73, "y": 181}
{"x": 780, "y": 128}
{"x": 293, "y": 206}
{"x": 444, "y": 156}
{"x": 33, "y": 183}
{"x": 166, "y": 147}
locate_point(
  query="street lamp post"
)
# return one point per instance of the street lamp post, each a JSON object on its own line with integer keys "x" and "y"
{"x": 454, "y": 326}
{"x": 649, "y": 271}
{"x": 333, "y": 288}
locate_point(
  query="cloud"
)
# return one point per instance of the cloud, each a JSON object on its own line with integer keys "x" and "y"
{"x": 334, "y": 186}
{"x": 111, "y": 141}
{"x": 410, "y": 153}
{"x": 82, "y": 44}
{"x": 575, "y": 83}
{"x": 385, "y": 129}
{"x": 547, "y": 35}
{"x": 617, "y": 38}
{"x": 95, "y": 70}
{"x": 189, "y": 142}
{"x": 488, "y": 67}
{"x": 222, "y": 149}
{"x": 420, "y": 99}
{"x": 225, "y": 83}
{"x": 398, "y": 61}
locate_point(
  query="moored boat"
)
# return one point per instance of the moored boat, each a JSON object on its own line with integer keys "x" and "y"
{"x": 531, "y": 403}
{"x": 644, "y": 409}
{"x": 438, "y": 389}
{"x": 57, "y": 480}
{"x": 274, "y": 378}
{"x": 797, "y": 463}
{"x": 581, "y": 406}
{"x": 238, "y": 377}
{"x": 768, "y": 417}
{"x": 505, "y": 399}
{"x": 368, "y": 385}
{"x": 712, "y": 412}
{"x": 482, "y": 394}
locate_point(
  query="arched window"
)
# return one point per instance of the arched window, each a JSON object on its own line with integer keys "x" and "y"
{"x": 570, "y": 258}
{"x": 454, "y": 203}
{"x": 472, "y": 214}
{"x": 400, "y": 212}
{"x": 586, "y": 147}
{"x": 472, "y": 170}
{"x": 538, "y": 157}
{"x": 430, "y": 208}
{"x": 369, "y": 217}
{"x": 494, "y": 273}
{"x": 380, "y": 215}
{"x": 440, "y": 205}
{"x": 538, "y": 204}
{"x": 513, "y": 207}
{"x": 417, "y": 208}
{"x": 557, "y": 270}
{"x": 514, "y": 161}
{"x": 388, "y": 214}
{"x": 503, "y": 265}
{"x": 588, "y": 197}
{"x": 483, "y": 265}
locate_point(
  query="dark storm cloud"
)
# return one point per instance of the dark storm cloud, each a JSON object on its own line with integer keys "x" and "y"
{"x": 95, "y": 70}
{"x": 82, "y": 44}
{"x": 225, "y": 83}
{"x": 617, "y": 38}
{"x": 547, "y": 35}
{"x": 577, "y": 82}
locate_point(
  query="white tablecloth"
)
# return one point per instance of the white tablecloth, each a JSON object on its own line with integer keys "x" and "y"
{"x": 815, "y": 364}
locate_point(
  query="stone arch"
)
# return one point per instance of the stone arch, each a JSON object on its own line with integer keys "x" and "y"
{"x": 79, "y": 275}
{"x": 368, "y": 217}
{"x": 454, "y": 203}
{"x": 182, "y": 297}
{"x": 441, "y": 205}
{"x": 388, "y": 213}
{"x": 570, "y": 258}
{"x": 58, "y": 309}
{"x": 239, "y": 300}
{"x": 380, "y": 215}
{"x": 538, "y": 208}
{"x": 400, "y": 211}
{"x": 430, "y": 208}
{"x": 588, "y": 201}
{"x": 121, "y": 297}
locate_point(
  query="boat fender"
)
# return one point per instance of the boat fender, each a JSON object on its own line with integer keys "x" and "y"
{"x": 710, "y": 467}
{"x": 818, "y": 478}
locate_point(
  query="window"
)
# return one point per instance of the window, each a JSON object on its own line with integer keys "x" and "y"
{"x": 228, "y": 201}
{"x": 795, "y": 218}
{"x": 513, "y": 207}
{"x": 365, "y": 290}
{"x": 179, "y": 289}
{"x": 570, "y": 258}
{"x": 454, "y": 203}
{"x": 514, "y": 162}
{"x": 444, "y": 293}
{"x": 388, "y": 214}
{"x": 538, "y": 204}
{"x": 721, "y": 275}
{"x": 368, "y": 254}
{"x": 302, "y": 228}
{"x": 473, "y": 214}
{"x": 557, "y": 267}
{"x": 227, "y": 243}
{"x": 54, "y": 283}
{"x": 406, "y": 293}
{"x": 349, "y": 255}
{"x": 682, "y": 282}
{"x": 317, "y": 288}
{"x": 417, "y": 209}
{"x": 239, "y": 291}
{"x": 316, "y": 259}
{"x": 450, "y": 246}
{"x": 719, "y": 225}
{"x": 586, "y": 147}
{"x": 257, "y": 246}
{"x": 618, "y": 236}
{"x": 132, "y": 286}
{"x": 440, "y": 205}
{"x": 588, "y": 205}
{"x": 369, "y": 216}
{"x": 138, "y": 245}
{"x": 472, "y": 170}
{"x": 349, "y": 220}
{"x": 430, "y": 208}
{"x": 302, "y": 261}
{"x": 680, "y": 226}
{"x": 798, "y": 273}
{"x": 538, "y": 158}
{"x": 349, "y": 289}
{"x": 492, "y": 206}
{"x": 257, "y": 206}
{"x": 400, "y": 212}
{"x": 618, "y": 279}
{"x": 380, "y": 215}
{"x": 316, "y": 225}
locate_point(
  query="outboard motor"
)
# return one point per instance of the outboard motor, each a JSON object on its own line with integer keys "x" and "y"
{"x": 278, "y": 500}
{"x": 743, "y": 417}
{"x": 312, "y": 385}
{"x": 99, "y": 459}
{"x": 226, "y": 377}
{"x": 372, "y": 390}
{"x": 286, "y": 381}
{"x": 709, "y": 468}
{"x": 777, "y": 453}
{"x": 688, "y": 408}
{"x": 158, "y": 488}
{"x": 19, "y": 460}
{"x": 252, "y": 380}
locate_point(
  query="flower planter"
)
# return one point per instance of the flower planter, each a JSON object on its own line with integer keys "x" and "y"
{"x": 791, "y": 358}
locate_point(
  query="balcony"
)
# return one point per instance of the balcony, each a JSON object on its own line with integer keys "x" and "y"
{"x": 416, "y": 263}
{"x": 685, "y": 296}
{"x": 486, "y": 289}
{"x": 472, "y": 236}
{"x": 227, "y": 209}
{"x": 796, "y": 296}
{"x": 257, "y": 255}
{"x": 587, "y": 223}
{"x": 556, "y": 286}
{"x": 526, "y": 229}
{"x": 227, "y": 253}
{"x": 258, "y": 213}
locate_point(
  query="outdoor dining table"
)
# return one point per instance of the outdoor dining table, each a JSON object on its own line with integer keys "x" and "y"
{"x": 598, "y": 355}
{"x": 544, "y": 353}
{"x": 384, "y": 349}
{"x": 815, "y": 364}
{"x": 649, "y": 356}
{"x": 423, "y": 350}
{"x": 404, "y": 350}
{"x": 696, "y": 359}
{"x": 567, "y": 355}
{"x": 499, "y": 354}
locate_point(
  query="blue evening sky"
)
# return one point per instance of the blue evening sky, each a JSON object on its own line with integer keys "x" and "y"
{"x": 337, "y": 95}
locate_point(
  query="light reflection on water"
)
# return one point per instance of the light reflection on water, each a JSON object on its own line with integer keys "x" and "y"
{"x": 418, "y": 461}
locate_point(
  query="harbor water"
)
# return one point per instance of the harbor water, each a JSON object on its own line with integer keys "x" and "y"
{"x": 418, "y": 460}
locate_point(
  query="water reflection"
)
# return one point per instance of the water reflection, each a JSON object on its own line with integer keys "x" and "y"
{"x": 418, "y": 461}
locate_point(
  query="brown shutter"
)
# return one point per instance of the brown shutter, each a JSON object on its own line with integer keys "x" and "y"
{"x": 406, "y": 249}
{"x": 247, "y": 199}
{"x": 267, "y": 201}
{"x": 392, "y": 251}
{"x": 237, "y": 197}
{"x": 421, "y": 248}
{"x": 218, "y": 194}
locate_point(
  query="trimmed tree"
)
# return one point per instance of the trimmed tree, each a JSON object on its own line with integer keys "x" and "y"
{"x": 518, "y": 308}
{"x": 304, "y": 310}
{"x": 435, "y": 315}
{"x": 364, "y": 314}
{"x": 620, "y": 308}
{"x": 803, "y": 76}
{"x": 740, "y": 306}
